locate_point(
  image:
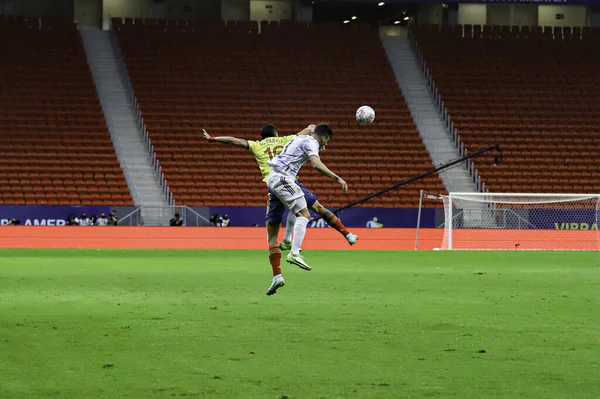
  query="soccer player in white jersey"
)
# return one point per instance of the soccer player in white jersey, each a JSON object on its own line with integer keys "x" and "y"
{"x": 264, "y": 151}
{"x": 282, "y": 183}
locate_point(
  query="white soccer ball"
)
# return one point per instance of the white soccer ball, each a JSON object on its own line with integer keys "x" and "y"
{"x": 365, "y": 115}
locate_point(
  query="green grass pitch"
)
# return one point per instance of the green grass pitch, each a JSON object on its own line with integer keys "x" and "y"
{"x": 163, "y": 324}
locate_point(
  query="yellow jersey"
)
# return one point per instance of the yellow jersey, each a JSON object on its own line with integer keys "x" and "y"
{"x": 267, "y": 149}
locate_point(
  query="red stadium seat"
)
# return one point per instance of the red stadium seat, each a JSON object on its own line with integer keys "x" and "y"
{"x": 51, "y": 122}
{"x": 535, "y": 94}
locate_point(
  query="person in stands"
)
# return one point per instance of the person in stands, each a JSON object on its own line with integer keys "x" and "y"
{"x": 176, "y": 220}
{"x": 225, "y": 221}
{"x": 102, "y": 220}
{"x": 113, "y": 219}
{"x": 215, "y": 220}
{"x": 84, "y": 220}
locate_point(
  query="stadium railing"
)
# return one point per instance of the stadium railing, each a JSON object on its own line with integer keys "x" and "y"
{"x": 166, "y": 190}
{"x": 469, "y": 165}
{"x": 189, "y": 216}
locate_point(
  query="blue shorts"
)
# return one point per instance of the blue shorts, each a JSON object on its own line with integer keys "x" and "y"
{"x": 276, "y": 209}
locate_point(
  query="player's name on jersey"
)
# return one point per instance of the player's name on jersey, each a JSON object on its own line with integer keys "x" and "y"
{"x": 271, "y": 140}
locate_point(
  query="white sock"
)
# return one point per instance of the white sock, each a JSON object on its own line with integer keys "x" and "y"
{"x": 299, "y": 232}
{"x": 276, "y": 277}
{"x": 289, "y": 227}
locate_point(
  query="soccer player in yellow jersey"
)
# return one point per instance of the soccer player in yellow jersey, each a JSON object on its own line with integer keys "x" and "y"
{"x": 264, "y": 150}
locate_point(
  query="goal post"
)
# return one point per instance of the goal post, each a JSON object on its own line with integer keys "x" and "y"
{"x": 427, "y": 199}
{"x": 521, "y": 221}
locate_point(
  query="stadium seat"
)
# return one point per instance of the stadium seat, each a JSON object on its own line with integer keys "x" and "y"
{"x": 533, "y": 92}
{"x": 231, "y": 78}
{"x": 55, "y": 148}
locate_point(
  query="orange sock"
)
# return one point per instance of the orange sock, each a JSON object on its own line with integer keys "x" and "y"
{"x": 336, "y": 223}
{"x": 275, "y": 259}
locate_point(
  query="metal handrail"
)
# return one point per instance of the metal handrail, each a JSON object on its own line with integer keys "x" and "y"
{"x": 134, "y": 218}
{"x": 140, "y": 119}
{"x": 442, "y": 107}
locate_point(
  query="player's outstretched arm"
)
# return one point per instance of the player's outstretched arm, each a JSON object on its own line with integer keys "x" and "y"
{"x": 307, "y": 131}
{"x": 227, "y": 140}
{"x": 324, "y": 170}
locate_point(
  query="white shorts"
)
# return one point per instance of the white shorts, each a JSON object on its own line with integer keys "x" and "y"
{"x": 288, "y": 192}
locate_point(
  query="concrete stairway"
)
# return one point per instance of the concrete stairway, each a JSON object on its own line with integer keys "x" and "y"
{"x": 134, "y": 157}
{"x": 425, "y": 113}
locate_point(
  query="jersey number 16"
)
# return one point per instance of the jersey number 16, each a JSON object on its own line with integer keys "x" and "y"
{"x": 273, "y": 153}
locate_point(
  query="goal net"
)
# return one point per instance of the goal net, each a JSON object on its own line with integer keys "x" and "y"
{"x": 521, "y": 221}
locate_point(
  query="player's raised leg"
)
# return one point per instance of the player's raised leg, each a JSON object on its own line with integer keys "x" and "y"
{"x": 334, "y": 222}
{"x": 275, "y": 211}
{"x": 302, "y": 218}
{"x": 311, "y": 199}
{"x": 328, "y": 216}
{"x": 274, "y": 258}
{"x": 286, "y": 244}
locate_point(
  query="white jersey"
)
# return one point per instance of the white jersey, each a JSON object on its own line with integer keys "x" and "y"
{"x": 102, "y": 222}
{"x": 294, "y": 154}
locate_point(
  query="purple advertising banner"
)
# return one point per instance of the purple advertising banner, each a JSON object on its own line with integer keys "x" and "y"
{"x": 532, "y": 219}
{"x": 544, "y": 219}
{"x": 353, "y": 217}
{"x": 564, "y": 219}
{"x": 30, "y": 215}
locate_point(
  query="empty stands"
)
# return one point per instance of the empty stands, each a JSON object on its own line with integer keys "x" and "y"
{"x": 533, "y": 90}
{"x": 55, "y": 148}
{"x": 230, "y": 79}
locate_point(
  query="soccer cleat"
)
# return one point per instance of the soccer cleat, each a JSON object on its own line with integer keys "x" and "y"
{"x": 285, "y": 245}
{"x": 297, "y": 260}
{"x": 277, "y": 282}
{"x": 351, "y": 238}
